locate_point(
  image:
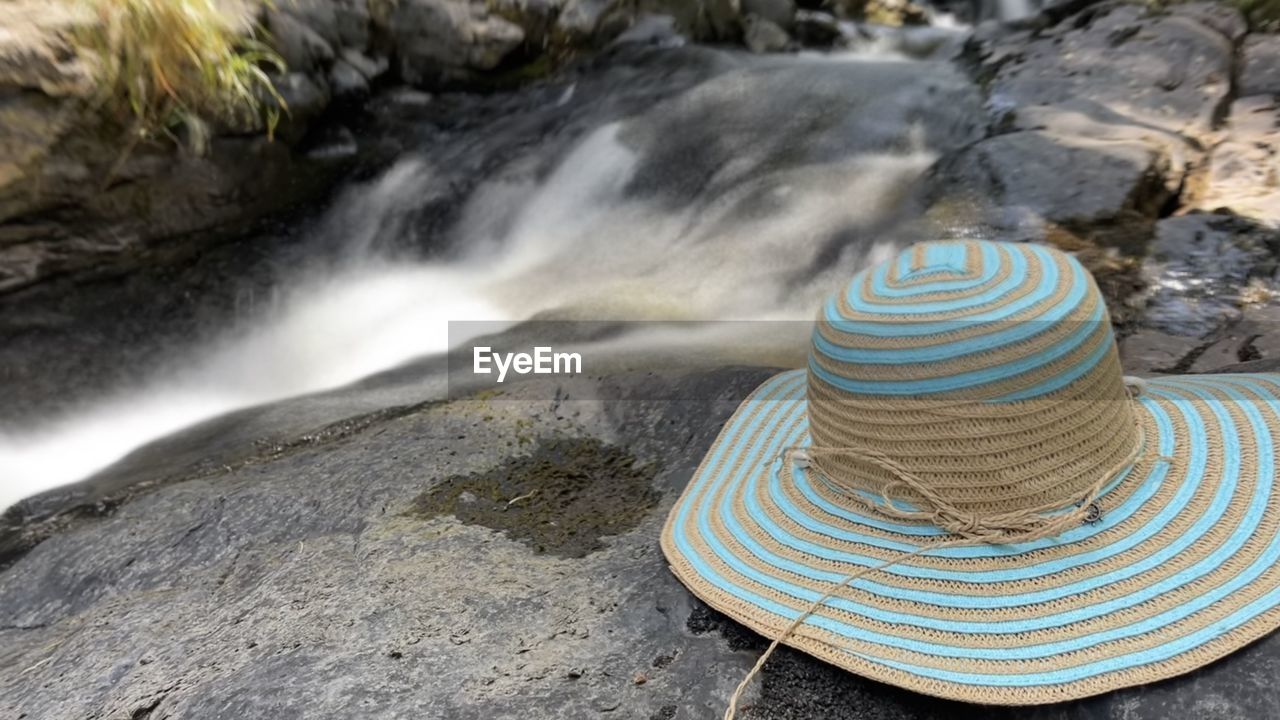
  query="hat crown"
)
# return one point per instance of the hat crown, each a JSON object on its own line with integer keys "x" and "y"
{"x": 987, "y": 370}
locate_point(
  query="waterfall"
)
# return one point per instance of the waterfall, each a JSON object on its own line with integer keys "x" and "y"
{"x": 745, "y": 197}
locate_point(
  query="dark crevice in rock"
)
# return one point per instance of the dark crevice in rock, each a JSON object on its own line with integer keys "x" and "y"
{"x": 1184, "y": 363}
{"x": 144, "y": 712}
{"x": 703, "y": 620}
{"x": 1249, "y": 352}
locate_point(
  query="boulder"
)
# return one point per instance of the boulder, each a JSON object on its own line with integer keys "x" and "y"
{"x": 1222, "y": 17}
{"x": 1116, "y": 64}
{"x": 648, "y": 29}
{"x": 817, "y": 29}
{"x": 305, "y": 97}
{"x": 779, "y": 12}
{"x": 353, "y": 21}
{"x": 1243, "y": 173}
{"x": 300, "y": 46}
{"x": 537, "y": 18}
{"x": 1100, "y": 115}
{"x": 321, "y": 17}
{"x": 371, "y": 68}
{"x": 443, "y": 41}
{"x": 765, "y": 36}
{"x": 1042, "y": 175}
{"x": 347, "y": 83}
{"x": 1260, "y": 58}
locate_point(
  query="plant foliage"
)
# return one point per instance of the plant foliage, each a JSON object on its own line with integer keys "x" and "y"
{"x": 162, "y": 65}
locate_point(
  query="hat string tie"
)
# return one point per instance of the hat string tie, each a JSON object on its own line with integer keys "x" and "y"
{"x": 972, "y": 529}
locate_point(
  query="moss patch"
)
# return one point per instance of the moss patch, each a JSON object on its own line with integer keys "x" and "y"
{"x": 560, "y": 499}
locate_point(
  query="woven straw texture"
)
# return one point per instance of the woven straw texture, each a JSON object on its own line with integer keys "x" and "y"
{"x": 989, "y": 374}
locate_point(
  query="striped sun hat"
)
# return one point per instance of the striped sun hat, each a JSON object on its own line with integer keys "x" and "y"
{"x": 963, "y": 496}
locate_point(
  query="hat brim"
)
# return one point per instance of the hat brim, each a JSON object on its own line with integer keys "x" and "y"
{"x": 1182, "y": 568}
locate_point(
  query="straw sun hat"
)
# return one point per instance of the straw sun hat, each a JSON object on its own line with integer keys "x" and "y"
{"x": 963, "y": 496}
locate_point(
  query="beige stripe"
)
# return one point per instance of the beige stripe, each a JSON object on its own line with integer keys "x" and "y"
{"x": 1269, "y": 527}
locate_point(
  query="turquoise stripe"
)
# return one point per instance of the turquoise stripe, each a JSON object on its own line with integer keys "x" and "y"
{"x": 1199, "y": 442}
{"x": 990, "y": 266}
{"x": 1266, "y": 470}
{"x": 981, "y": 377}
{"x": 1014, "y": 332}
{"x": 886, "y": 616}
{"x": 1167, "y": 515}
{"x": 1017, "y": 277}
{"x": 896, "y": 327}
{"x": 992, "y": 260}
{"x": 1113, "y": 517}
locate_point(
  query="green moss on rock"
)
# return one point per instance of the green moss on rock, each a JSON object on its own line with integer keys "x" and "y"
{"x": 562, "y": 498}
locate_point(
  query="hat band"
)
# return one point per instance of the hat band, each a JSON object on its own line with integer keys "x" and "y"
{"x": 967, "y": 528}
{"x": 1021, "y": 525}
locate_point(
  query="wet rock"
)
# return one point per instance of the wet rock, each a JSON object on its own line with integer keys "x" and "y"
{"x": 1152, "y": 351}
{"x": 580, "y": 20}
{"x": 305, "y": 97}
{"x": 307, "y": 579}
{"x": 1252, "y": 337}
{"x": 1200, "y": 269}
{"x": 1243, "y": 174}
{"x": 593, "y": 23}
{"x": 347, "y": 83}
{"x": 817, "y": 29}
{"x": 560, "y": 498}
{"x": 1061, "y": 178}
{"x": 1260, "y": 74}
{"x": 779, "y": 12}
{"x": 264, "y": 588}
{"x": 660, "y": 30}
{"x": 301, "y": 47}
{"x": 765, "y": 36}
{"x": 444, "y": 41}
{"x": 537, "y": 18}
{"x": 352, "y": 19}
{"x": 370, "y": 68}
{"x": 1118, "y": 64}
{"x": 322, "y": 17}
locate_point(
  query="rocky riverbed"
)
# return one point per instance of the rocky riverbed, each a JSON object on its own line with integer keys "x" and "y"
{"x": 390, "y": 549}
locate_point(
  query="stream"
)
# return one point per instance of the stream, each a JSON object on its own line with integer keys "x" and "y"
{"x": 655, "y": 183}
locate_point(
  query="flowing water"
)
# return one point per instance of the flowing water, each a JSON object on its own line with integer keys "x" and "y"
{"x": 746, "y": 191}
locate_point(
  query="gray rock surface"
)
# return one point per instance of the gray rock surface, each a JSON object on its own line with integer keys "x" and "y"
{"x": 1260, "y": 71}
{"x": 1105, "y": 111}
{"x": 330, "y": 576}
{"x": 1210, "y": 298}
{"x": 347, "y": 83}
{"x": 1063, "y": 179}
{"x": 300, "y": 46}
{"x": 444, "y": 41}
{"x": 779, "y": 12}
{"x": 1200, "y": 268}
{"x": 306, "y": 581}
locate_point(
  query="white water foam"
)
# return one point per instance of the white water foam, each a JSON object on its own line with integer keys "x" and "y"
{"x": 574, "y": 241}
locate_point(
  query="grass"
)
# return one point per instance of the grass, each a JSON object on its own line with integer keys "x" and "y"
{"x": 165, "y": 67}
